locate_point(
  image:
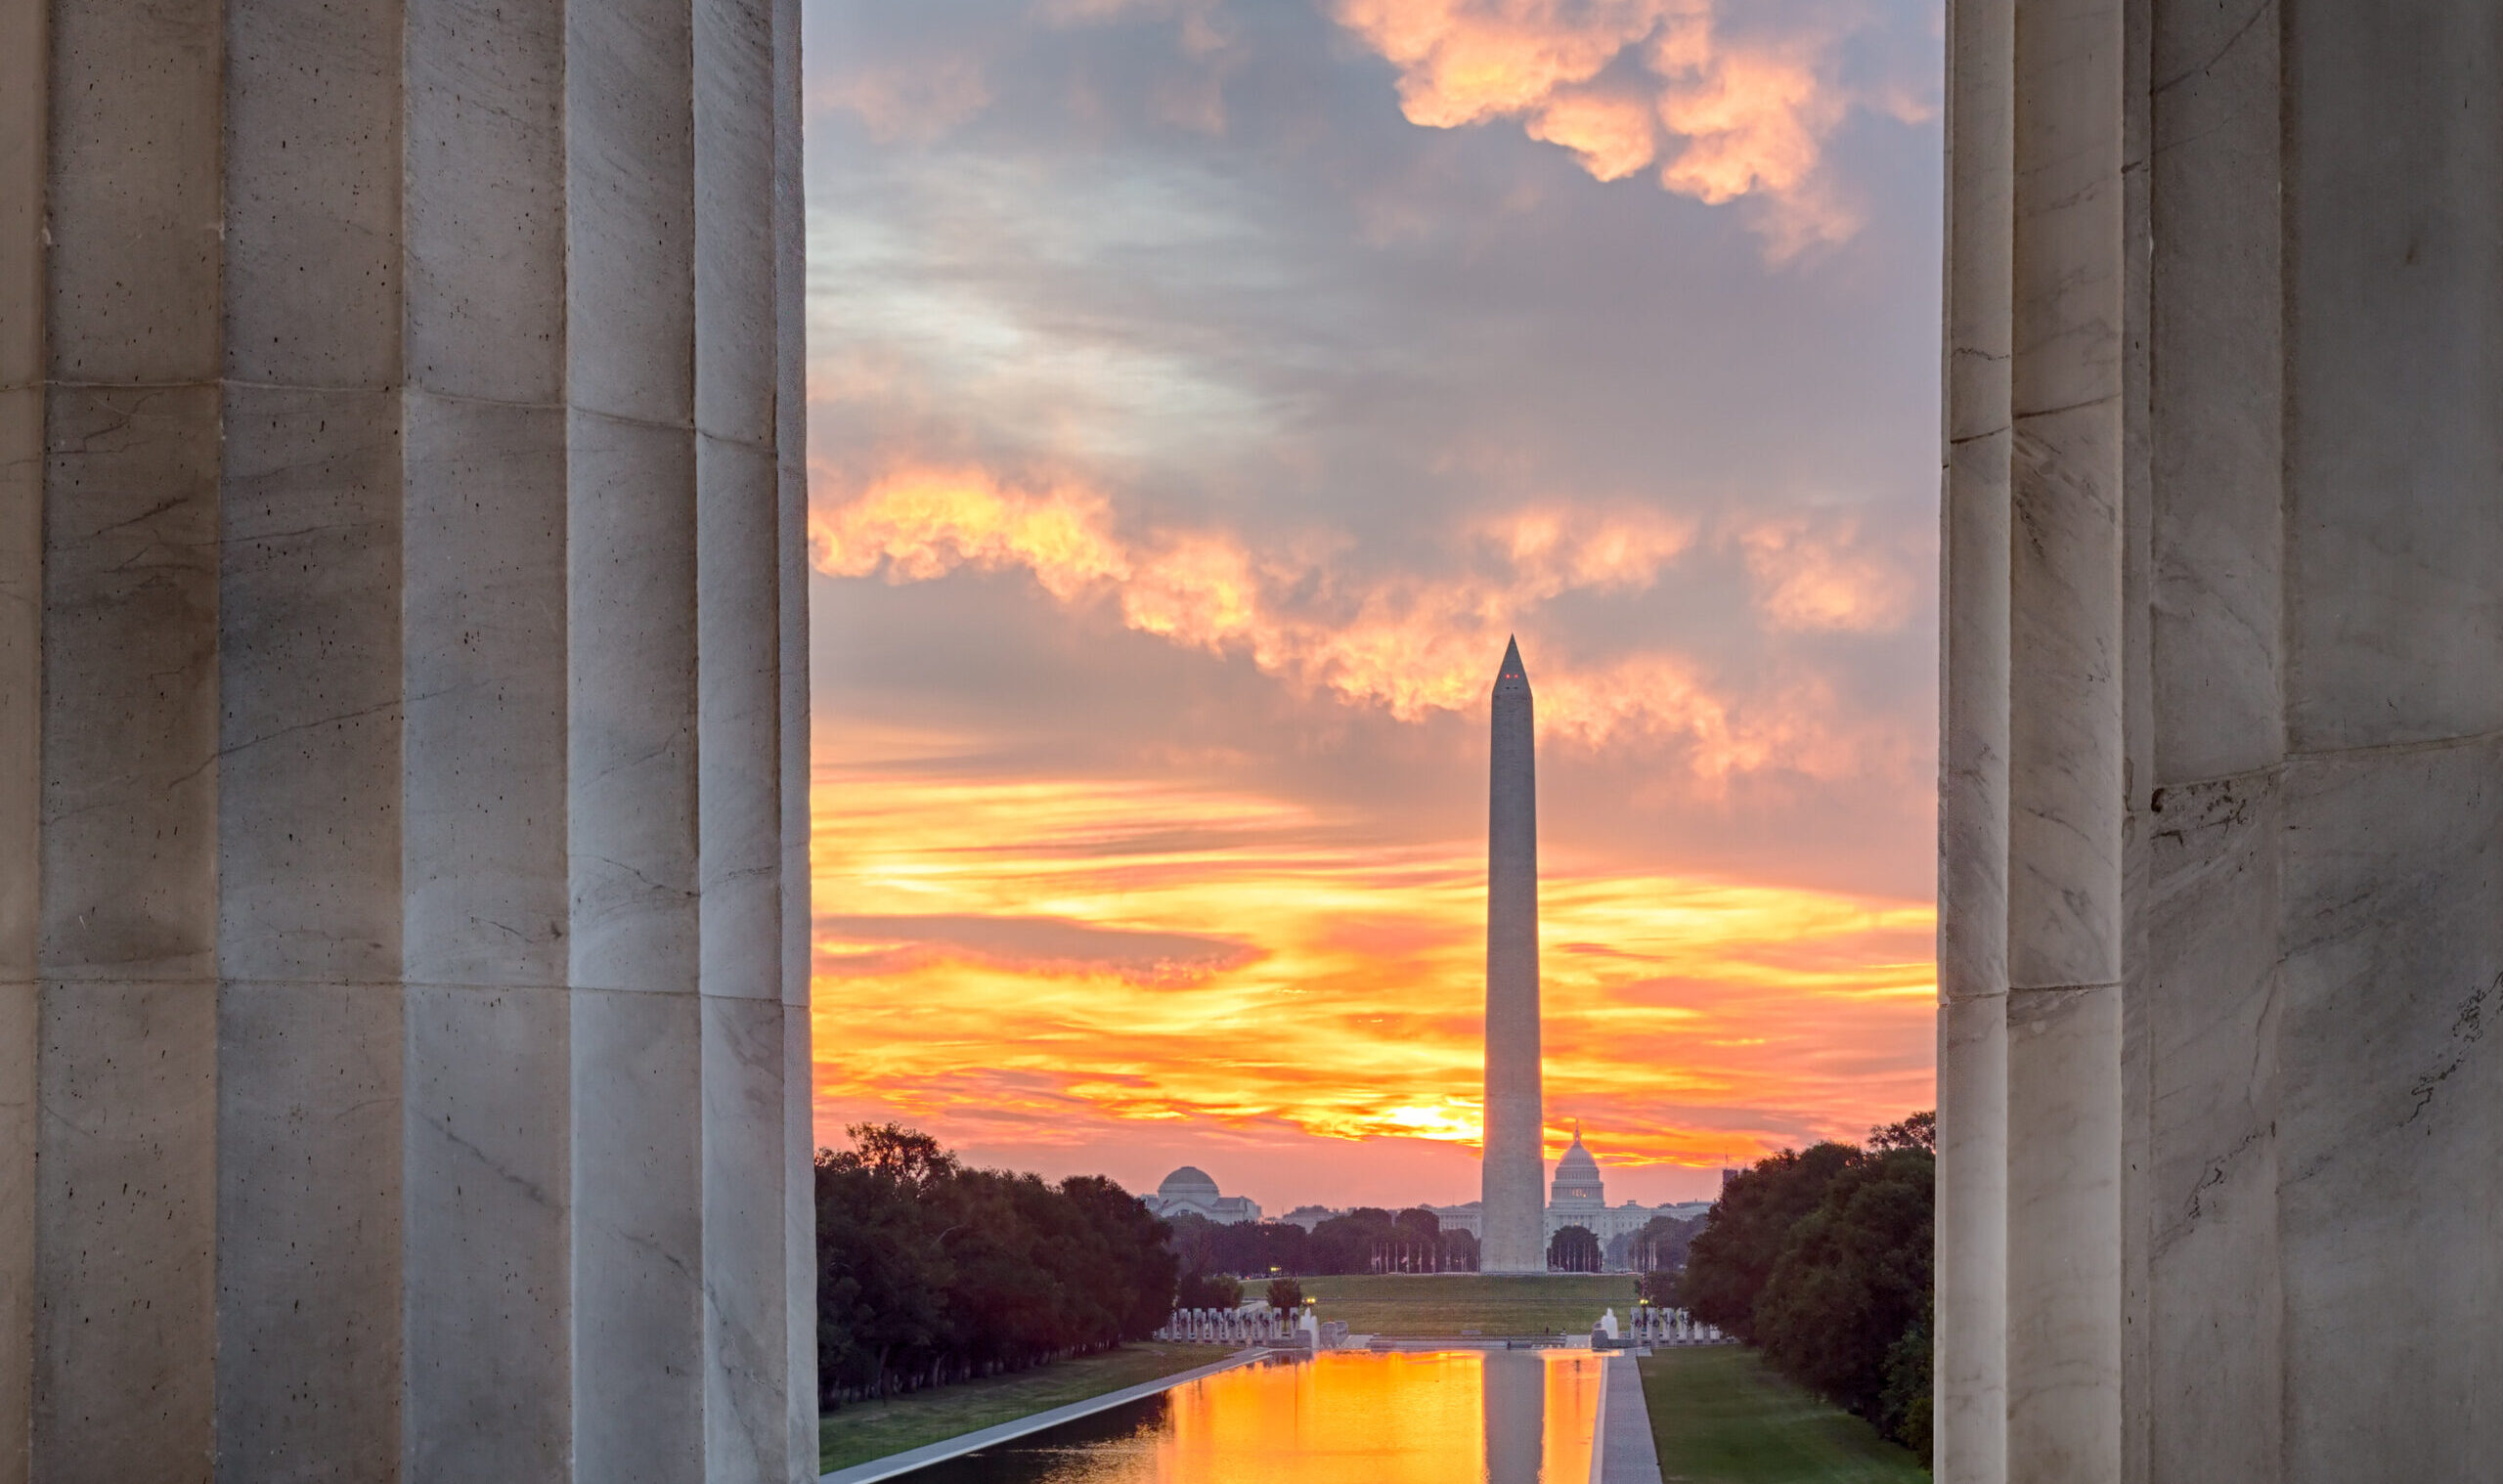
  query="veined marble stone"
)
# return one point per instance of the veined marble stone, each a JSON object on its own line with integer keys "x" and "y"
{"x": 403, "y": 738}
{"x": 2222, "y": 802}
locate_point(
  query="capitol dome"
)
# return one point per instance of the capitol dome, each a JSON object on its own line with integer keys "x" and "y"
{"x": 1577, "y": 1177}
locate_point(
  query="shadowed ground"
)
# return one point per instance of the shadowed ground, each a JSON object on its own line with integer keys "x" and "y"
{"x": 1448, "y": 1303}
{"x": 864, "y": 1431}
{"x": 1721, "y": 1417}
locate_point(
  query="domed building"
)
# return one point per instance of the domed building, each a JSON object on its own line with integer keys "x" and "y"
{"x": 1578, "y": 1196}
{"x": 1578, "y": 1188}
{"x": 1190, "y": 1188}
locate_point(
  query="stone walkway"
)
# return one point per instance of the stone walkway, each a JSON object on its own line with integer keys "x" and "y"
{"x": 1624, "y": 1453}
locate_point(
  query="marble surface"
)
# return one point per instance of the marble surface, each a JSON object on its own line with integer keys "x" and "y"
{"x": 2248, "y": 1116}
{"x": 400, "y": 723}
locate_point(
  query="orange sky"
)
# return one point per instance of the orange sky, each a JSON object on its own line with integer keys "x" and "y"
{"x": 1037, "y": 962}
{"x": 1201, "y": 392}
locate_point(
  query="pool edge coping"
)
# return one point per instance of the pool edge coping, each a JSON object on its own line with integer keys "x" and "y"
{"x": 895, "y": 1465}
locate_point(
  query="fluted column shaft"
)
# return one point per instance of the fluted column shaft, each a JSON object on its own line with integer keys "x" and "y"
{"x": 2253, "y": 844}
{"x": 1969, "y": 1437}
{"x": 400, "y": 608}
{"x": 2031, "y": 750}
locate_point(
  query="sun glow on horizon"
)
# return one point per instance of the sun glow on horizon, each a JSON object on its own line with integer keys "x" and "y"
{"x": 1073, "y": 956}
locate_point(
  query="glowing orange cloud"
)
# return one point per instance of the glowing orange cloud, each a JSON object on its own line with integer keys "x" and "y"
{"x": 1313, "y": 981}
{"x": 1812, "y": 576}
{"x": 1737, "y": 115}
{"x": 1407, "y": 644}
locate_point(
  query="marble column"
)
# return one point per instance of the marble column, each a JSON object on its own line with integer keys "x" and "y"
{"x": 402, "y": 743}
{"x": 2253, "y": 847}
{"x": 1969, "y": 1436}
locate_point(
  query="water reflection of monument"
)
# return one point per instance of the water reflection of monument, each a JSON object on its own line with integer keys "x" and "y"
{"x": 1514, "y": 1383}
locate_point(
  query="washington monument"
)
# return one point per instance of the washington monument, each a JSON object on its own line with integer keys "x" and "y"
{"x": 1514, "y": 1238}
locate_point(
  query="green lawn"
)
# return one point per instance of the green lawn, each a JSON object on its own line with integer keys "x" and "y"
{"x": 864, "y": 1431}
{"x": 1721, "y": 1417}
{"x": 1448, "y": 1303}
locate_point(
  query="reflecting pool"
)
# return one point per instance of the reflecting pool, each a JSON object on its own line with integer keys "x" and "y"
{"x": 1502, "y": 1416}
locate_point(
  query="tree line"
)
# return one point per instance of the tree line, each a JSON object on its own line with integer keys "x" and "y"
{"x": 930, "y": 1271}
{"x": 1366, "y": 1239}
{"x": 1822, "y": 1259}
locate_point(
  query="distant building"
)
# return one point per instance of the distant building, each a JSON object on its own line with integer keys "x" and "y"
{"x": 1309, "y": 1217}
{"x": 1578, "y": 1196}
{"x": 1190, "y": 1190}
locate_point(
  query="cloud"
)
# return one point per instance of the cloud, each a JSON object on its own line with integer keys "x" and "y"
{"x": 1356, "y": 1018}
{"x": 1731, "y": 111}
{"x": 1823, "y": 575}
{"x": 1047, "y": 945}
{"x": 916, "y": 102}
{"x": 1202, "y": 32}
{"x": 1410, "y": 643}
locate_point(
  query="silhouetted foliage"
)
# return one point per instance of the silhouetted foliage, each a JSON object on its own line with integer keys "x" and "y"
{"x": 1207, "y": 1290}
{"x": 1574, "y": 1249}
{"x": 1657, "y": 1250}
{"x": 929, "y": 1272}
{"x": 1366, "y": 1239}
{"x": 1919, "y": 1131}
{"x": 1822, "y": 1259}
{"x": 1743, "y": 1233}
{"x": 1905, "y": 1411}
{"x": 1285, "y": 1294}
{"x": 1852, "y": 1276}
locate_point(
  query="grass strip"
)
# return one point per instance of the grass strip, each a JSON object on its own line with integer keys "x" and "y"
{"x": 1448, "y": 1303}
{"x": 859, "y": 1431}
{"x": 1720, "y": 1416}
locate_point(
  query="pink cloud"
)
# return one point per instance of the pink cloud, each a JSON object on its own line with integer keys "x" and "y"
{"x": 1731, "y": 114}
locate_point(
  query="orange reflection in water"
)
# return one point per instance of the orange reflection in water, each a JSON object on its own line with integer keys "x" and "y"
{"x": 1518, "y": 1416}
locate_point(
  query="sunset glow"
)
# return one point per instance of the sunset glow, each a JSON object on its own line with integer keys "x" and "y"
{"x": 1201, "y": 394}
{"x": 1063, "y": 955}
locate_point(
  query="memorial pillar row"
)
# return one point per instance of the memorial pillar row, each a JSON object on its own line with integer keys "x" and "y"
{"x": 403, "y": 1053}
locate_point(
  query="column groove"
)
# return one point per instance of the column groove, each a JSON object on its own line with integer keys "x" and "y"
{"x": 2066, "y": 745}
{"x": 1969, "y": 1442}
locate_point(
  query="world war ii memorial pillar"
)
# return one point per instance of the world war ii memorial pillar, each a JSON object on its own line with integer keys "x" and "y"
{"x": 403, "y": 736}
{"x": 1515, "y": 1239}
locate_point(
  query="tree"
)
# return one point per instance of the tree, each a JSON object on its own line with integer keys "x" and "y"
{"x": 931, "y": 1272}
{"x": 1905, "y": 1409}
{"x": 1657, "y": 1250}
{"x": 1209, "y": 1291}
{"x": 1919, "y": 1131}
{"x": 1744, "y": 1233}
{"x": 1852, "y": 1276}
{"x": 1824, "y": 1259}
{"x": 1285, "y": 1294}
{"x": 1574, "y": 1249}
{"x": 1347, "y": 1244}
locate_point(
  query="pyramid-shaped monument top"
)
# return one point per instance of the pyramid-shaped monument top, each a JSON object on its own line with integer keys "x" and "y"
{"x": 1511, "y": 677}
